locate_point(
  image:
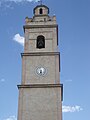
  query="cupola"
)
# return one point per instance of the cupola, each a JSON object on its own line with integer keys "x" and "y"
{"x": 41, "y": 10}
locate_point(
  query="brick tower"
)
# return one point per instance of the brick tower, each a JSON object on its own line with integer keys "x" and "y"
{"x": 40, "y": 92}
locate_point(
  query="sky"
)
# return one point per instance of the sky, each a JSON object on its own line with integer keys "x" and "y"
{"x": 73, "y": 18}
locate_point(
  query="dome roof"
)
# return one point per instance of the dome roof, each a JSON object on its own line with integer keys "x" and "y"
{"x": 41, "y": 6}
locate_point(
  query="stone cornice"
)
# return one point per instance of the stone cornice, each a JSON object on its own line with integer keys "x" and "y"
{"x": 40, "y": 54}
{"x": 39, "y": 26}
{"x": 39, "y": 85}
{"x": 42, "y": 86}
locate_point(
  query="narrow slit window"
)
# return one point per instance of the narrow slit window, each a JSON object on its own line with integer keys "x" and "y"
{"x": 41, "y": 11}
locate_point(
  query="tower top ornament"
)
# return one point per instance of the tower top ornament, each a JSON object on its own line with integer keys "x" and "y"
{"x": 40, "y": 2}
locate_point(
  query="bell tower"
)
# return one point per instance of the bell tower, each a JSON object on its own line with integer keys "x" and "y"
{"x": 40, "y": 92}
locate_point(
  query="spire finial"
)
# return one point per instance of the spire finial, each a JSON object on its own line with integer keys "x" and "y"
{"x": 40, "y": 2}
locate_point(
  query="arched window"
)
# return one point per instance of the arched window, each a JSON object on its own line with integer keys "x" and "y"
{"x": 40, "y": 42}
{"x": 40, "y": 11}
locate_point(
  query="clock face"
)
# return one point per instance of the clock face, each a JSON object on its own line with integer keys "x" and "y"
{"x": 41, "y": 71}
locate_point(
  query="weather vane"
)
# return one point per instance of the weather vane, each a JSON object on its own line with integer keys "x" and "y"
{"x": 40, "y": 2}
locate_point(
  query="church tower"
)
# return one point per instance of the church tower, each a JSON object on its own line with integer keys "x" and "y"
{"x": 40, "y": 92}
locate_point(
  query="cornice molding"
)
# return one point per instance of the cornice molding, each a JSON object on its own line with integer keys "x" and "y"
{"x": 40, "y": 54}
{"x": 43, "y": 86}
{"x": 40, "y": 26}
{"x": 39, "y": 85}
